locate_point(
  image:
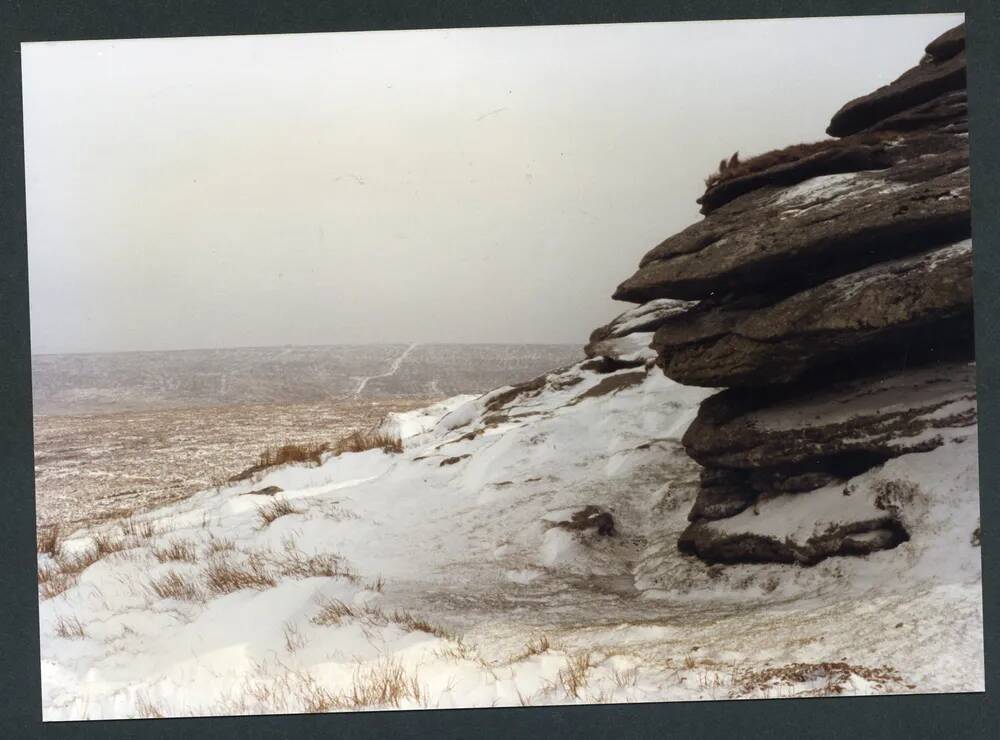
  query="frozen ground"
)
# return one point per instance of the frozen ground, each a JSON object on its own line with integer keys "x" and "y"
{"x": 448, "y": 576}
{"x": 94, "y": 466}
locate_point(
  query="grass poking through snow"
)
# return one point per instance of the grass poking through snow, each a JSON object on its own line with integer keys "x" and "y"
{"x": 70, "y": 628}
{"x": 177, "y": 550}
{"x": 173, "y": 585}
{"x": 275, "y": 510}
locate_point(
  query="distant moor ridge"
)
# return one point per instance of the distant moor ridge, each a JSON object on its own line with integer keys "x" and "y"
{"x": 828, "y": 290}
{"x": 98, "y": 383}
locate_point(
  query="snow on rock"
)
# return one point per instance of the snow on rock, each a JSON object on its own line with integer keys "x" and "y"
{"x": 631, "y": 348}
{"x": 406, "y": 424}
{"x": 626, "y": 338}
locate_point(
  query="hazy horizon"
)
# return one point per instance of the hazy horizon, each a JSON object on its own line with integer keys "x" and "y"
{"x": 314, "y": 346}
{"x": 472, "y": 186}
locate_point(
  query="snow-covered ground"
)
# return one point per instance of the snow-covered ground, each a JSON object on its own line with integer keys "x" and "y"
{"x": 447, "y": 576}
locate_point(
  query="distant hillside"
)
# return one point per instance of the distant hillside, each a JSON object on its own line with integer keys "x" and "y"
{"x": 93, "y": 383}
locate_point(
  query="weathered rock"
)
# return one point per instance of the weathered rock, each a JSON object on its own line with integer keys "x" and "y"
{"x": 834, "y": 289}
{"x": 847, "y": 426}
{"x": 624, "y": 341}
{"x": 502, "y": 397}
{"x": 876, "y": 310}
{"x": 722, "y": 493}
{"x": 611, "y": 384}
{"x": 713, "y": 545}
{"x": 630, "y": 350}
{"x": 942, "y": 71}
{"x": 947, "y": 113}
{"x": 581, "y": 519}
{"x": 777, "y": 481}
{"x": 267, "y": 491}
{"x": 870, "y": 512}
{"x": 820, "y": 228}
{"x": 644, "y": 318}
{"x": 837, "y": 157}
{"x": 948, "y": 44}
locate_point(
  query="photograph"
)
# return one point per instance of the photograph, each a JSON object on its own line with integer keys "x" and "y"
{"x": 506, "y": 366}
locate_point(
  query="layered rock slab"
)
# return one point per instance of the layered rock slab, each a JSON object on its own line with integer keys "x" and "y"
{"x": 878, "y": 417}
{"x": 940, "y": 72}
{"x": 624, "y": 341}
{"x": 797, "y": 528}
{"x": 818, "y": 229}
{"x": 876, "y": 310}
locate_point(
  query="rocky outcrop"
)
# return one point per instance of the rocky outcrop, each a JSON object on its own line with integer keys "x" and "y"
{"x": 786, "y": 238}
{"x": 941, "y": 71}
{"x": 828, "y": 290}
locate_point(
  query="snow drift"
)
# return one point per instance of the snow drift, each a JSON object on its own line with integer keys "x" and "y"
{"x": 456, "y": 574}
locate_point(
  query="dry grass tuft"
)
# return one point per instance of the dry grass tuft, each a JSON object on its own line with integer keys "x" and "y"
{"x": 70, "y": 628}
{"x": 312, "y": 453}
{"x": 64, "y": 573}
{"x": 292, "y": 453}
{"x": 48, "y": 541}
{"x": 626, "y": 678}
{"x": 573, "y": 677}
{"x": 293, "y": 638}
{"x": 275, "y": 510}
{"x": 106, "y": 544}
{"x": 535, "y": 646}
{"x": 146, "y": 709}
{"x": 223, "y": 577}
{"x": 734, "y": 167}
{"x": 297, "y": 564}
{"x": 386, "y": 684}
{"x": 52, "y": 581}
{"x": 181, "y": 550}
{"x": 334, "y": 611}
{"x": 411, "y": 623}
{"x": 217, "y": 545}
{"x": 176, "y": 586}
{"x": 370, "y": 440}
{"x": 833, "y": 678}
{"x": 137, "y": 530}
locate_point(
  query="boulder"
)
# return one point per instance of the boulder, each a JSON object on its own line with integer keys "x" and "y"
{"x": 878, "y": 310}
{"x": 844, "y": 428}
{"x": 820, "y": 228}
{"x": 940, "y": 72}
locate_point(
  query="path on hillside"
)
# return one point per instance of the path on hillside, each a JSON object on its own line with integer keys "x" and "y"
{"x": 393, "y": 369}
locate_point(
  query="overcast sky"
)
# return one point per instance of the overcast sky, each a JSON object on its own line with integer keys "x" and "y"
{"x": 483, "y": 185}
